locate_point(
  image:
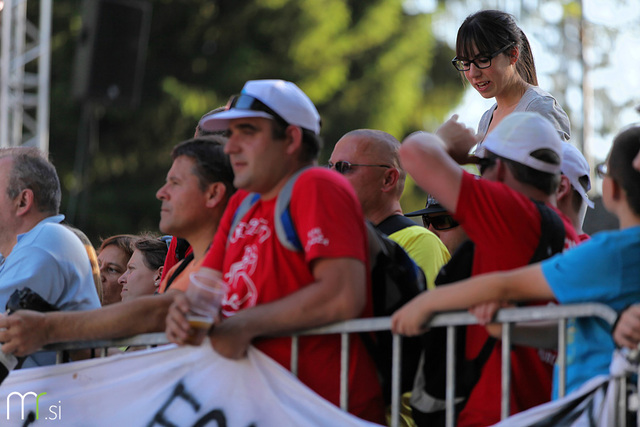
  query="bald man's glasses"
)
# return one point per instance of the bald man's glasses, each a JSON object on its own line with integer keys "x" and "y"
{"x": 440, "y": 222}
{"x": 344, "y": 167}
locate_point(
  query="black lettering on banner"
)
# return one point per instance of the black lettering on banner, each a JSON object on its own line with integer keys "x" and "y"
{"x": 179, "y": 391}
{"x": 216, "y": 415}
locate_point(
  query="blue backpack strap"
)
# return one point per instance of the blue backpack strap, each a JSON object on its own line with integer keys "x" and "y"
{"x": 285, "y": 228}
{"x": 241, "y": 211}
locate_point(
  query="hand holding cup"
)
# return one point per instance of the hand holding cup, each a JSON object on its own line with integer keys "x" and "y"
{"x": 205, "y": 293}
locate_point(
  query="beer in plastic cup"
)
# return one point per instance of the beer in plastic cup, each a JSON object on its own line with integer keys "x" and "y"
{"x": 205, "y": 294}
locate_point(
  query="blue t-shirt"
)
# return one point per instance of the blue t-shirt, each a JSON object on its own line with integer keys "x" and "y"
{"x": 605, "y": 269}
{"x": 53, "y": 262}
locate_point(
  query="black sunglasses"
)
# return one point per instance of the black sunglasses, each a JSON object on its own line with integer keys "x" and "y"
{"x": 440, "y": 222}
{"x": 248, "y": 102}
{"x": 480, "y": 62}
{"x": 344, "y": 167}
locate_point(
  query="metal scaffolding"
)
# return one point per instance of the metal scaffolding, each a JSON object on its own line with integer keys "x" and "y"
{"x": 25, "y": 61}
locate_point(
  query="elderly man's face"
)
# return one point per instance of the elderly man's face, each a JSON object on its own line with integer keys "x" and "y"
{"x": 7, "y": 207}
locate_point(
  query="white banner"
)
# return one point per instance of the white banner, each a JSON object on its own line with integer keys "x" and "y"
{"x": 169, "y": 386}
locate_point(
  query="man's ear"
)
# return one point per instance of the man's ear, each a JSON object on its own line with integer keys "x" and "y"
{"x": 215, "y": 194}
{"x": 24, "y": 202}
{"x": 564, "y": 189}
{"x": 293, "y": 138}
{"x": 616, "y": 191}
{"x": 501, "y": 170}
{"x": 391, "y": 177}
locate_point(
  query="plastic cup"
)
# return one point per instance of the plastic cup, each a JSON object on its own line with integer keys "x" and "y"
{"x": 205, "y": 294}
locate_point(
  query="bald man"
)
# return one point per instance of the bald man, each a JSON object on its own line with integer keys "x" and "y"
{"x": 369, "y": 160}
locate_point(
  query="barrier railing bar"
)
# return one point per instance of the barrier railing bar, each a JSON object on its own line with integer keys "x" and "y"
{"x": 506, "y": 371}
{"x": 450, "y": 392}
{"x": 155, "y": 338}
{"x": 561, "y": 358}
{"x": 396, "y": 367}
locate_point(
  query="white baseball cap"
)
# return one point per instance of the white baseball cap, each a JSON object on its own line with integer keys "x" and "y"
{"x": 270, "y": 99}
{"x": 520, "y": 134}
{"x": 575, "y": 167}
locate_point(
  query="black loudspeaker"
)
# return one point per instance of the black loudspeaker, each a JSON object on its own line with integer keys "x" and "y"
{"x": 111, "y": 50}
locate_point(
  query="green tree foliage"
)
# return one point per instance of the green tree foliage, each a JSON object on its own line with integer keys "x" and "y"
{"x": 364, "y": 64}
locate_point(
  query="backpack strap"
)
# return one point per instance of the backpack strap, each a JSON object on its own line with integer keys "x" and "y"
{"x": 394, "y": 223}
{"x": 283, "y": 223}
{"x": 552, "y": 233}
{"x": 285, "y": 228}
{"x": 241, "y": 211}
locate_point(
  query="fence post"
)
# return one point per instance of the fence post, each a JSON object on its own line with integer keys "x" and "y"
{"x": 506, "y": 370}
{"x": 294, "y": 355}
{"x": 562, "y": 357}
{"x": 396, "y": 366}
{"x": 344, "y": 371}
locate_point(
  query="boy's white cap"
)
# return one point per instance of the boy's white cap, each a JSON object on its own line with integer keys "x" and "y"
{"x": 285, "y": 99}
{"x": 574, "y": 166}
{"x": 520, "y": 134}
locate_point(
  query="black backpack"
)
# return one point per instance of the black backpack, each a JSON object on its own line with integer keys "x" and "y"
{"x": 395, "y": 280}
{"x": 428, "y": 396}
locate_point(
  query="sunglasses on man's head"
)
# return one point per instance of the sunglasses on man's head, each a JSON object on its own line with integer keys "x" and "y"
{"x": 344, "y": 167}
{"x": 440, "y": 222}
{"x": 248, "y": 102}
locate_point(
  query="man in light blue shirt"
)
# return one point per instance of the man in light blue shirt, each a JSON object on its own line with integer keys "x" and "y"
{"x": 35, "y": 249}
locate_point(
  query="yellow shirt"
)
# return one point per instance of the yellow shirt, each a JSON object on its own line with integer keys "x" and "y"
{"x": 425, "y": 248}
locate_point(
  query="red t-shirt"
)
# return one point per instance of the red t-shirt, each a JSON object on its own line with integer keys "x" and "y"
{"x": 505, "y": 227}
{"x": 258, "y": 269}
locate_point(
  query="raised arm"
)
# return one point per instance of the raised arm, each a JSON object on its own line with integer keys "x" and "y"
{"x": 432, "y": 160}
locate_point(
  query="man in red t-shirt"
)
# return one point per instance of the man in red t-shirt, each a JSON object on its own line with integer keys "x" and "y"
{"x": 273, "y": 134}
{"x": 520, "y": 161}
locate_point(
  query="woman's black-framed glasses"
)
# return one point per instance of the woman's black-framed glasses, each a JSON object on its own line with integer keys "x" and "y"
{"x": 481, "y": 62}
{"x": 344, "y": 167}
{"x": 602, "y": 170}
{"x": 440, "y": 222}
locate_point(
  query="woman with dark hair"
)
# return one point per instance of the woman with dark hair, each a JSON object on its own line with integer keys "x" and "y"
{"x": 495, "y": 56}
{"x": 144, "y": 268}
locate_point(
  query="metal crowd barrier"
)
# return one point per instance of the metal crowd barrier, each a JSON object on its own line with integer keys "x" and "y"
{"x": 507, "y": 317}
